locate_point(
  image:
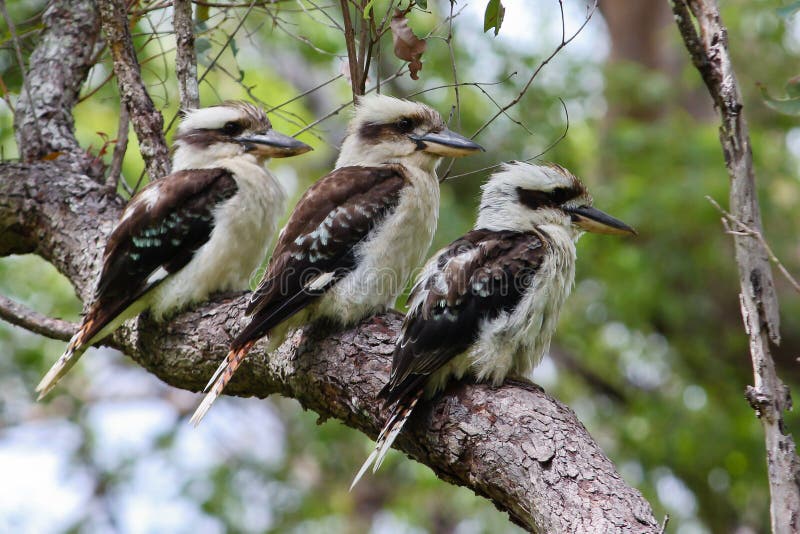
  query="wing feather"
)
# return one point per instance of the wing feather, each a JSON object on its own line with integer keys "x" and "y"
{"x": 317, "y": 247}
{"x": 158, "y": 234}
{"x": 474, "y": 279}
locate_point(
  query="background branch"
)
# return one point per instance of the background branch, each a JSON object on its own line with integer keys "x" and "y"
{"x": 186, "y": 57}
{"x": 759, "y": 302}
{"x": 17, "y": 314}
{"x": 147, "y": 120}
{"x": 43, "y": 121}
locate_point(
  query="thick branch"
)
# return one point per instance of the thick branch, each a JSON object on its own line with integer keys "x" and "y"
{"x": 515, "y": 445}
{"x": 185, "y": 55}
{"x": 759, "y": 302}
{"x": 147, "y": 120}
{"x": 43, "y": 120}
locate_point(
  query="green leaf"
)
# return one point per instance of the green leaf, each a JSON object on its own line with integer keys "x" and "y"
{"x": 793, "y": 87}
{"x": 786, "y": 106}
{"x": 787, "y": 11}
{"x": 493, "y": 18}
{"x": 368, "y": 9}
{"x": 234, "y": 47}
{"x": 422, "y": 4}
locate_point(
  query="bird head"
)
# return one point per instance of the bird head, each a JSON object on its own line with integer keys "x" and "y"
{"x": 388, "y": 130}
{"x": 524, "y": 197}
{"x": 231, "y": 129}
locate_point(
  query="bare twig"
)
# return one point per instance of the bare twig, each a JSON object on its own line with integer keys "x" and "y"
{"x": 547, "y": 149}
{"x": 350, "y": 43}
{"x": 121, "y": 146}
{"x": 22, "y": 316}
{"x": 338, "y": 109}
{"x": 186, "y": 57}
{"x": 740, "y": 228}
{"x": 759, "y": 302}
{"x": 564, "y": 42}
{"x": 17, "y": 50}
{"x": 147, "y": 120}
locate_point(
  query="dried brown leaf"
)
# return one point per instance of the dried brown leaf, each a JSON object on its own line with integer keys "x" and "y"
{"x": 407, "y": 46}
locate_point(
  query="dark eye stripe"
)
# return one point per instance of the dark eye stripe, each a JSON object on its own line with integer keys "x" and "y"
{"x": 556, "y": 197}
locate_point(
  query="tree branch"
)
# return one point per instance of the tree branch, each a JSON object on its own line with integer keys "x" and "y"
{"x": 759, "y": 302}
{"x": 147, "y": 120}
{"x": 19, "y": 315}
{"x": 514, "y": 444}
{"x": 43, "y": 121}
{"x": 186, "y": 58}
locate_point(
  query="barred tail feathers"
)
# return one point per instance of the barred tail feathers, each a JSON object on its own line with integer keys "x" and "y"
{"x": 391, "y": 429}
{"x": 220, "y": 379}
{"x": 77, "y": 346}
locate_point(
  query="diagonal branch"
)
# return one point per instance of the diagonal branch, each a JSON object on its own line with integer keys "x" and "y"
{"x": 147, "y": 120}
{"x": 706, "y": 39}
{"x": 514, "y": 445}
{"x": 19, "y": 315}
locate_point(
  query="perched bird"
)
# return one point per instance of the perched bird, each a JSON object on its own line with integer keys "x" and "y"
{"x": 203, "y": 228}
{"x": 488, "y": 303}
{"x": 355, "y": 236}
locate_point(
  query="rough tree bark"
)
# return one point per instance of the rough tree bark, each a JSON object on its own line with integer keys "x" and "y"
{"x": 759, "y": 302}
{"x": 147, "y": 120}
{"x": 185, "y": 55}
{"x": 514, "y": 445}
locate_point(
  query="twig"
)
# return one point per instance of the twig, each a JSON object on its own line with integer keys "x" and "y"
{"x": 547, "y": 149}
{"x": 706, "y": 39}
{"x": 664, "y": 524}
{"x": 564, "y": 42}
{"x": 18, "y": 52}
{"x": 22, "y": 316}
{"x": 338, "y": 109}
{"x": 304, "y": 93}
{"x": 147, "y": 120}
{"x": 186, "y": 57}
{"x": 115, "y": 169}
{"x": 743, "y": 229}
{"x": 349, "y": 40}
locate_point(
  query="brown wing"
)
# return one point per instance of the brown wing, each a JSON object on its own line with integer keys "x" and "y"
{"x": 159, "y": 232}
{"x": 333, "y": 216}
{"x": 475, "y": 279}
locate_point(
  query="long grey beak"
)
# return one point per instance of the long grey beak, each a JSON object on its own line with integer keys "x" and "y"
{"x": 273, "y": 144}
{"x": 446, "y": 144}
{"x": 593, "y": 220}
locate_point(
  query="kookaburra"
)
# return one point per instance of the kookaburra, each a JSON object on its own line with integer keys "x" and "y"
{"x": 355, "y": 236}
{"x": 488, "y": 303}
{"x": 202, "y": 229}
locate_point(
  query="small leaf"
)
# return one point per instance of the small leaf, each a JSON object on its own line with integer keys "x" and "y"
{"x": 787, "y": 11}
{"x": 234, "y": 47}
{"x": 787, "y": 106}
{"x": 793, "y": 87}
{"x": 422, "y": 4}
{"x": 407, "y": 46}
{"x": 368, "y": 9}
{"x": 493, "y": 18}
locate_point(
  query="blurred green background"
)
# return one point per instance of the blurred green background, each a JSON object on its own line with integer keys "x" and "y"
{"x": 650, "y": 350}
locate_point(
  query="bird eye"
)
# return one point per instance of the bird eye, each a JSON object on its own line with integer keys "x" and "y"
{"x": 405, "y": 125}
{"x": 232, "y": 128}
